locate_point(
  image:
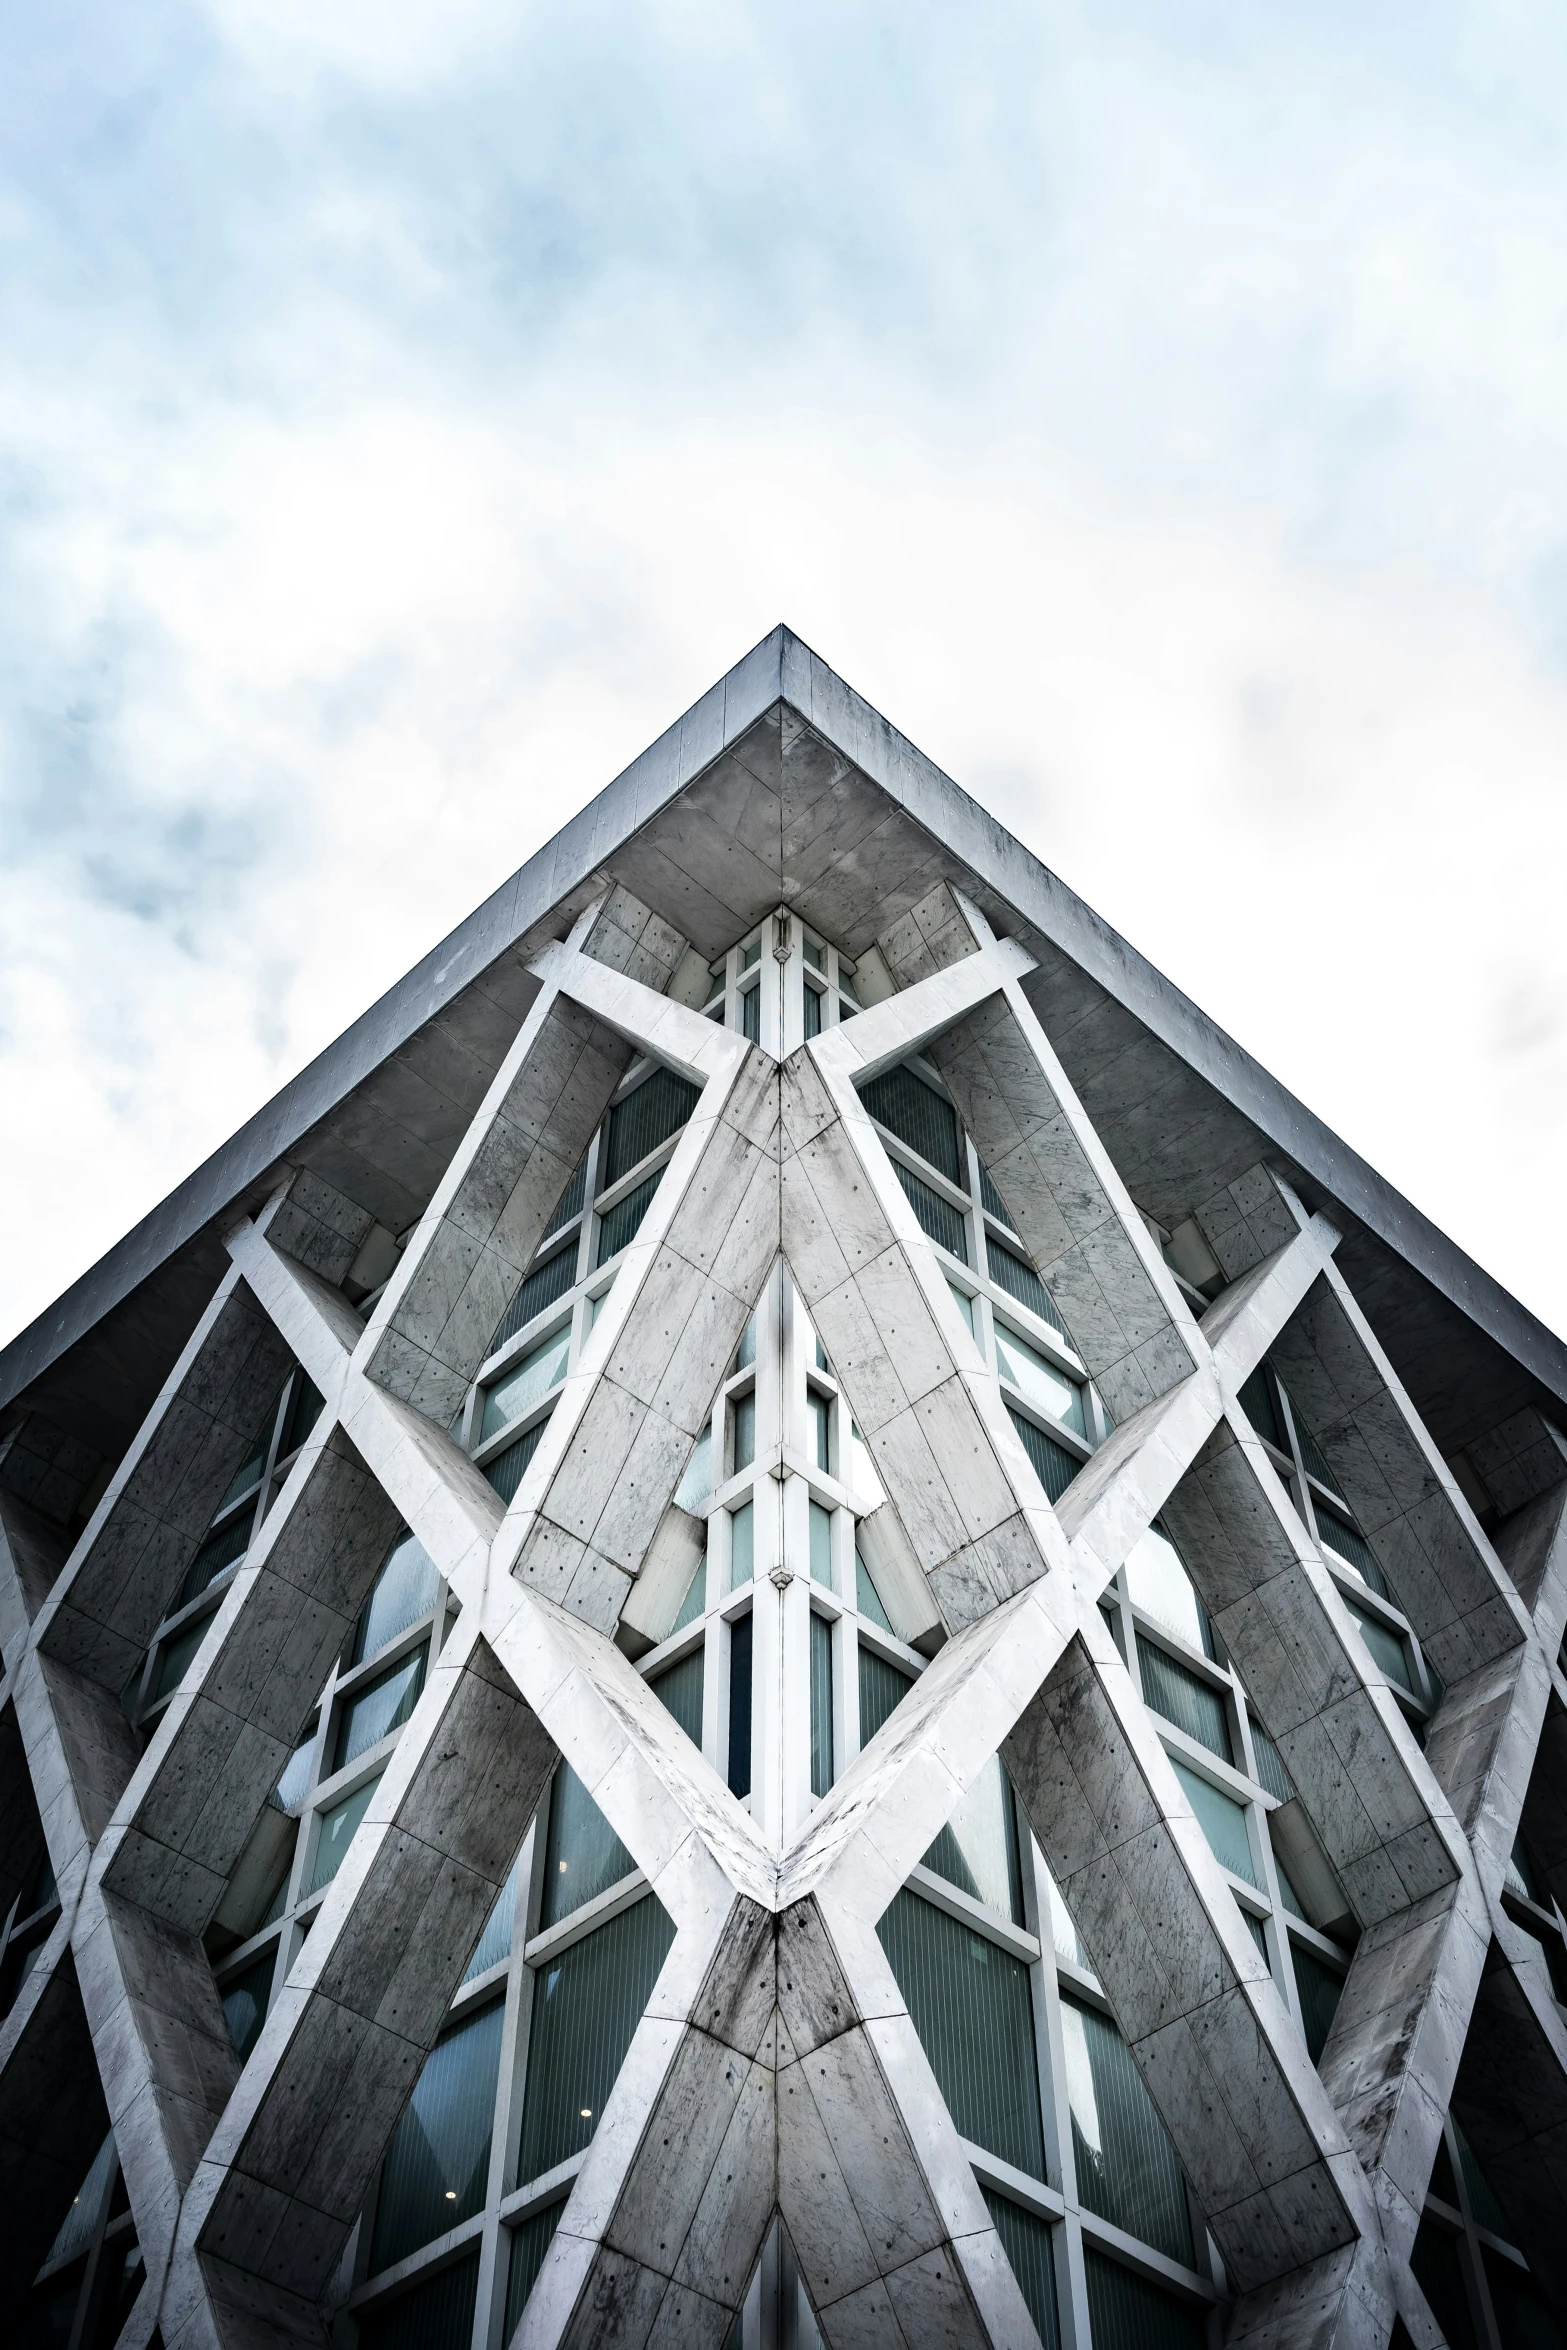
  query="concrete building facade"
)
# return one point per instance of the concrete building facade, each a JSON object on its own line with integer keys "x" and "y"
{"x": 783, "y": 1619}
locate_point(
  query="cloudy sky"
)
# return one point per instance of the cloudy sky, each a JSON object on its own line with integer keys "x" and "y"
{"x": 408, "y": 406}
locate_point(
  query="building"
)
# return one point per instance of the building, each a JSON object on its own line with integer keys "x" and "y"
{"x": 783, "y": 1617}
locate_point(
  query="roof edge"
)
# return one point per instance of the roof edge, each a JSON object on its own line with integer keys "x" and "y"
{"x": 783, "y": 668}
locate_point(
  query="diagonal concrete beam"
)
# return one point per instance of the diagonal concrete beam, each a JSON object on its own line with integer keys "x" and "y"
{"x": 293, "y": 2158}
{"x": 182, "y": 1826}
{"x": 1061, "y": 1191}
{"x": 1270, "y": 2166}
{"x": 435, "y": 1319}
{"x": 162, "y": 2049}
{"x": 123, "y": 1574}
{"x": 1325, "y": 1705}
{"x": 1441, "y": 1566}
{"x": 1392, "y": 2059}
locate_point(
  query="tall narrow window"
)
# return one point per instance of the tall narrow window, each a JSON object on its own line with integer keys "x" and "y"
{"x": 586, "y": 2005}
{"x": 1126, "y": 2166}
{"x": 740, "y": 1706}
{"x": 438, "y": 2162}
{"x": 821, "y": 1705}
{"x": 974, "y": 2013}
{"x": 583, "y": 1856}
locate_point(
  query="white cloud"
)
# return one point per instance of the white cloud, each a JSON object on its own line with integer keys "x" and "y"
{"x": 1163, "y": 435}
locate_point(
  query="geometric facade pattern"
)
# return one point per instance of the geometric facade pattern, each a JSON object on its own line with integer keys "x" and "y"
{"x": 788, "y": 1629}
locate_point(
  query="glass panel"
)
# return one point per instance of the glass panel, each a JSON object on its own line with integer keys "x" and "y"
{"x": 1063, "y": 1929}
{"x": 303, "y": 1413}
{"x": 1254, "y": 1928}
{"x": 245, "y": 2004}
{"x": 337, "y": 1833}
{"x": 697, "y": 1483}
{"x": 1025, "y": 2239}
{"x": 1019, "y": 1280}
{"x": 620, "y": 1227}
{"x": 1385, "y": 1645}
{"x": 586, "y": 2005}
{"x": 1221, "y": 1819}
{"x": 813, "y": 1012}
{"x": 541, "y": 1368}
{"x": 1520, "y": 1876}
{"x": 740, "y": 1706}
{"x": 882, "y": 1687}
{"x": 742, "y": 1546}
{"x": 743, "y": 1449}
{"x": 659, "y": 1108}
{"x": 543, "y": 1286}
{"x": 404, "y": 1590}
{"x": 437, "y": 2166}
{"x": 1351, "y": 1547}
{"x": 977, "y": 1849}
{"x": 745, "y": 1352}
{"x": 1287, "y": 1892}
{"x": 583, "y": 1856}
{"x": 80, "y": 2223}
{"x": 495, "y": 1941}
{"x": 992, "y": 1201}
{"x": 1522, "y": 2318}
{"x": 1311, "y": 1454}
{"x": 680, "y": 1689}
{"x": 821, "y": 1545}
{"x": 529, "y": 2243}
{"x": 1126, "y": 2312}
{"x": 868, "y": 1599}
{"x": 937, "y": 1217}
{"x": 1256, "y": 1401}
{"x": 751, "y": 1014}
{"x": 507, "y": 1470}
{"x": 437, "y": 2315}
{"x": 1126, "y": 2166}
{"x": 570, "y": 1201}
{"x": 1161, "y": 1587}
{"x": 1054, "y": 1466}
{"x": 694, "y": 1602}
{"x": 380, "y": 1709}
{"x": 908, "y": 1108}
{"x": 973, "y": 2009}
{"x": 1487, "y": 2212}
{"x": 821, "y": 1428}
{"x": 1191, "y": 1703}
{"x": 179, "y": 1655}
{"x": 1038, "y": 1382}
{"x": 1443, "y": 2183}
{"x": 1320, "y": 1987}
{"x": 821, "y": 1705}
{"x": 1270, "y": 1764}
{"x": 965, "y": 1306}
{"x": 1440, "y": 2276}
{"x": 43, "y": 1892}
{"x": 248, "y": 1477}
{"x": 751, "y": 955}
{"x": 216, "y": 1553}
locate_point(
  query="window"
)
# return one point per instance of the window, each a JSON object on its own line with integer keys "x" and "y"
{"x": 973, "y": 2010}
{"x": 437, "y": 2165}
{"x": 379, "y": 1709}
{"x": 337, "y": 1832}
{"x": 1126, "y": 2166}
{"x": 404, "y": 1590}
{"x": 586, "y": 2006}
{"x": 822, "y": 1773}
